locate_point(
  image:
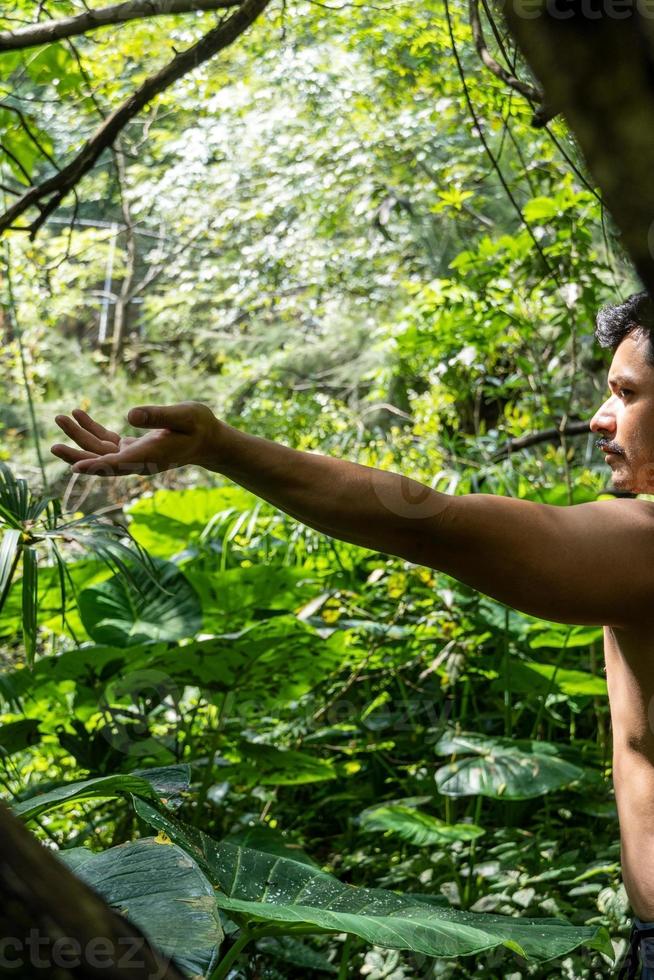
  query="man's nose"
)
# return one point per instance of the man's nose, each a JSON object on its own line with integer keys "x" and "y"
{"x": 604, "y": 419}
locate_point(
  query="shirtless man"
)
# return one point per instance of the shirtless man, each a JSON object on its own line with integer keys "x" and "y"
{"x": 588, "y": 564}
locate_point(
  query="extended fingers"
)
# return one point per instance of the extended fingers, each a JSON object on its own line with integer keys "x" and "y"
{"x": 85, "y": 420}
{"x": 84, "y": 438}
{"x": 107, "y": 465}
{"x": 128, "y": 461}
{"x": 69, "y": 454}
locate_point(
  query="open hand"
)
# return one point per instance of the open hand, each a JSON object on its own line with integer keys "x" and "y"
{"x": 178, "y": 435}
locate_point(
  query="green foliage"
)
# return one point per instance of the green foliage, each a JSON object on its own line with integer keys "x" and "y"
{"x": 29, "y": 521}
{"x": 510, "y": 768}
{"x": 259, "y": 887}
{"x": 415, "y": 826}
{"x": 164, "y": 608}
{"x": 311, "y": 238}
{"x": 319, "y": 696}
{"x": 164, "y": 893}
{"x": 165, "y": 784}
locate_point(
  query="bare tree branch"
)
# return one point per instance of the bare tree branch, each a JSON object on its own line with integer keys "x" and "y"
{"x": 529, "y": 91}
{"x": 554, "y": 434}
{"x": 12, "y": 156}
{"x": 48, "y": 195}
{"x": 54, "y": 30}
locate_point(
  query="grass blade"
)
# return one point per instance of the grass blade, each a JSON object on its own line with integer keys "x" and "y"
{"x": 30, "y": 602}
{"x": 9, "y": 554}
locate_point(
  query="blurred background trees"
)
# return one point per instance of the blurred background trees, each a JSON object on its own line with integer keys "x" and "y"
{"x": 335, "y": 232}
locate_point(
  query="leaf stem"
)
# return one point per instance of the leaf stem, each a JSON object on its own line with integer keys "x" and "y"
{"x": 231, "y": 956}
{"x": 345, "y": 957}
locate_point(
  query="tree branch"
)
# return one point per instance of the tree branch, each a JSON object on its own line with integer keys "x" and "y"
{"x": 54, "y": 30}
{"x": 545, "y": 435}
{"x": 598, "y": 70}
{"x": 530, "y": 92}
{"x": 489, "y": 153}
{"x": 49, "y": 194}
{"x": 28, "y": 131}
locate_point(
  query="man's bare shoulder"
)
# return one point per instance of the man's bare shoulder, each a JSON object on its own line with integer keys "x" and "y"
{"x": 621, "y": 512}
{"x": 586, "y": 564}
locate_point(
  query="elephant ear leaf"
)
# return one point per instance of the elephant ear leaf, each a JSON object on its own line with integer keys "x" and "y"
{"x": 163, "y": 892}
{"x": 163, "y": 783}
{"x": 415, "y": 826}
{"x": 501, "y": 769}
{"x": 162, "y": 609}
{"x": 256, "y": 886}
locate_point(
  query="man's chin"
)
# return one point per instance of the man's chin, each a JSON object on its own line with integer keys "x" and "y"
{"x": 623, "y": 482}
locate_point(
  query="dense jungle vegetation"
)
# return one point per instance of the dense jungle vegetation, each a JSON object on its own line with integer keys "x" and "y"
{"x": 281, "y": 755}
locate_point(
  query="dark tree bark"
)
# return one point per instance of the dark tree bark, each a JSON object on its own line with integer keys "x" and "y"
{"x": 555, "y": 434}
{"x": 594, "y": 60}
{"x": 120, "y": 13}
{"x": 54, "y": 926}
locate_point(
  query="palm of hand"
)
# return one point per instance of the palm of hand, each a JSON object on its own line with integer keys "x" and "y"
{"x": 114, "y": 454}
{"x": 177, "y": 435}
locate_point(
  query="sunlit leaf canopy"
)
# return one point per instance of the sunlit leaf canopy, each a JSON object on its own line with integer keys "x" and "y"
{"x": 315, "y": 208}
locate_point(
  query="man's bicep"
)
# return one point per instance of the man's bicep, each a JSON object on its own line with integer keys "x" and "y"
{"x": 585, "y": 564}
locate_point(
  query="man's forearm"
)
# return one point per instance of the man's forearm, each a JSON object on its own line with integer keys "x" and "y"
{"x": 366, "y": 506}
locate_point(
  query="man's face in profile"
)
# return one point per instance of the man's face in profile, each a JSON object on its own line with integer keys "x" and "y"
{"x": 625, "y": 422}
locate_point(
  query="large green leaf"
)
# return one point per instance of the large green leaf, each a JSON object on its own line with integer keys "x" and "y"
{"x": 115, "y": 613}
{"x": 158, "y": 784}
{"x": 254, "y": 886}
{"x": 237, "y": 596}
{"x": 565, "y": 638}
{"x": 267, "y": 765}
{"x": 262, "y": 837}
{"x": 160, "y": 888}
{"x": 501, "y": 768}
{"x": 535, "y": 678}
{"x": 18, "y": 735}
{"x": 169, "y": 521}
{"x": 415, "y": 826}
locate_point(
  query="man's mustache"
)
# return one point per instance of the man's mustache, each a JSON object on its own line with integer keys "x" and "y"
{"x": 609, "y": 447}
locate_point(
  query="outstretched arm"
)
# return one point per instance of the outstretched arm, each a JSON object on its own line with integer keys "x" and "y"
{"x": 587, "y": 564}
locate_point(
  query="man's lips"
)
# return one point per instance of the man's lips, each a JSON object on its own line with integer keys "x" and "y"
{"x": 608, "y": 450}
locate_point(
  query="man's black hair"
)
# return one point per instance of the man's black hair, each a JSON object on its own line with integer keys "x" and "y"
{"x": 615, "y": 322}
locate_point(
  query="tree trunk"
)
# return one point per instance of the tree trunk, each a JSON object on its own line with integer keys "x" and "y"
{"x": 6, "y": 326}
{"x": 595, "y": 62}
{"x": 121, "y": 313}
{"x": 54, "y": 926}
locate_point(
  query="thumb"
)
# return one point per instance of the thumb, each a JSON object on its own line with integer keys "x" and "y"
{"x": 175, "y": 417}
